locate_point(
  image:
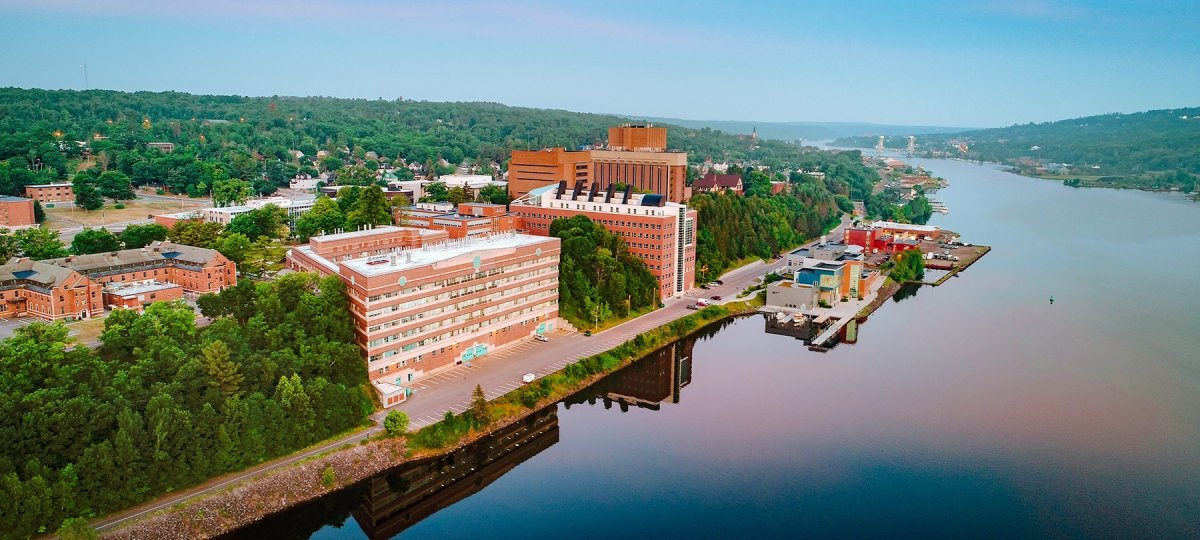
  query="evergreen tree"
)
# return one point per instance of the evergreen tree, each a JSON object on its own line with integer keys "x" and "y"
{"x": 224, "y": 374}
{"x": 479, "y": 408}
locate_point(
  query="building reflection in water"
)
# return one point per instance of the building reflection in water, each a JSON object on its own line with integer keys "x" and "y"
{"x": 803, "y": 329}
{"x": 646, "y": 383}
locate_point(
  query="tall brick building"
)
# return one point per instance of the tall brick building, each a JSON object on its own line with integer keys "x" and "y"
{"x": 635, "y": 156}
{"x": 660, "y": 233}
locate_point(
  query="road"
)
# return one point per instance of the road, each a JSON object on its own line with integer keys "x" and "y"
{"x": 498, "y": 373}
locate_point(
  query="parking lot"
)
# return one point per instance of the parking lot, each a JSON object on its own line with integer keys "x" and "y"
{"x": 9, "y": 326}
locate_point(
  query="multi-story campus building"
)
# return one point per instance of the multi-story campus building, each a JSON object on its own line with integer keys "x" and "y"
{"x": 660, "y": 233}
{"x": 16, "y": 212}
{"x": 225, "y": 214}
{"x": 51, "y": 193}
{"x": 469, "y": 219}
{"x": 81, "y": 286}
{"x": 422, "y": 302}
{"x": 635, "y": 156}
{"x": 890, "y": 237}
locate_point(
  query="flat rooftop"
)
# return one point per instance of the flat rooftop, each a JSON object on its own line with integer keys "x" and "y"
{"x": 10, "y": 198}
{"x": 443, "y": 251}
{"x": 130, "y": 289}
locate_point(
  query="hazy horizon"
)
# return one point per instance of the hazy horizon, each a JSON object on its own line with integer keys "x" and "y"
{"x": 939, "y": 64}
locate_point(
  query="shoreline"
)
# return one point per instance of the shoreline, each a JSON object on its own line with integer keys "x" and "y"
{"x": 258, "y": 499}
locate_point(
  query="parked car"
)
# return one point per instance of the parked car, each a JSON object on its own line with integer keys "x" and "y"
{"x": 705, "y": 286}
{"x": 716, "y": 297}
{"x": 718, "y": 282}
{"x": 587, "y": 333}
{"x": 692, "y": 306}
{"x": 528, "y": 378}
{"x": 541, "y": 338}
{"x": 701, "y": 303}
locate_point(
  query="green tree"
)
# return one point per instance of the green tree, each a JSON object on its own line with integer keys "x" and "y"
{"x": 39, "y": 213}
{"x": 355, "y": 175}
{"x": 396, "y": 423}
{"x": 269, "y": 221}
{"x": 77, "y": 528}
{"x": 231, "y": 192}
{"x": 225, "y": 376}
{"x": 325, "y": 217}
{"x": 95, "y": 241}
{"x": 138, "y": 236}
{"x": 190, "y": 232}
{"x": 86, "y": 194}
{"x": 234, "y": 246}
{"x": 493, "y": 194}
{"x": 9, "y": 246}
{"x": 39, "y": 243}
{"x": 479, "y": 410}
{"x": 371, "y": 208}
{"x": 435, "y": 191}
{"x": 457, "y": 196}
{"x": 115, "y": 185}
{"x": 328, "y": 477}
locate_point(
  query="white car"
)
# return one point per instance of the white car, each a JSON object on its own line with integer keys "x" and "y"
{"x": 528, "y": 378}
{"x": 541, "y": 338}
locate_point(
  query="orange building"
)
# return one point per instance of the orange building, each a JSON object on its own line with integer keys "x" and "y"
{"x": 660, "y": 233}
{"x": 196, "y": 270}
{"x": 51, "y": 193}
{"x": 648, "y": 168}
{"x": 16, "y": 212}
{"x": 419, "y": 310}
{"x": 634, "y": 138}
{"x": 47, "y": 292}
{"x": 137, "y": 296}
{"x": 469, "y": 219}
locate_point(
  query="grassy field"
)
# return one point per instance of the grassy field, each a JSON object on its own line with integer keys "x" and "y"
{"x": 68, "y": 217}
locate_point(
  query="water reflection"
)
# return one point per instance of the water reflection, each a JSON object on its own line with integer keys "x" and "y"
{"x": 804, "y": 329}
{"x": 906, "y": 291}
{"x": 386, "y": 505}
{"x": 646, "y": 384}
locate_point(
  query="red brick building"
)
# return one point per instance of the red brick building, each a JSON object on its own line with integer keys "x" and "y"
{"x": 660, "y": 233}
{"x": 51, "y": 193}
{"x": 16, "y": 212}
{"x": 718, "y": 182}
{"x": 196, "y": 270}
{"x": 48, "y": 292}
{"x": 469, "y": 219}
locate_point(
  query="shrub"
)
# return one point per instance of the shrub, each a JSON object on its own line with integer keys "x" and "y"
{"x": 160, "y": 191}
{"x": 328, "y": 478}
{"x": 396, "y": 423}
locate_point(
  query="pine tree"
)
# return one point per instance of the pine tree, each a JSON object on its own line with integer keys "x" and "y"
{"x": 224, "y": 372}
{"x": 479, "y": 408}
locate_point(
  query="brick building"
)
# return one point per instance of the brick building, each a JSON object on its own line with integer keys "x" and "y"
{"x": 196, "y": 270}
{"x": 16, "y": 212}
{"x": 418, "y": 310}
{"x": 648, "y": 168}
{"x": 718, "y": 182}
{"x": 51, "y": 193}
{"x": 469, "y": 219}
{"x": 48, "y": 292}
{"x": 660, "y": 233}
{"x": 890, "y": 237}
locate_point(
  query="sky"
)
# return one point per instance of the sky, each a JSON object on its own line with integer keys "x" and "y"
{"x": 963, "y": 63}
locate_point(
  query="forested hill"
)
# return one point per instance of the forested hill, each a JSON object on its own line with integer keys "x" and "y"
{"x": 1140, "y": 149}
{"x": 39, "y": 130}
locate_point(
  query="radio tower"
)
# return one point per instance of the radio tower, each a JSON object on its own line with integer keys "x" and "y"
{"x": 879, "y": 146}
{"x": 912, "y": 145}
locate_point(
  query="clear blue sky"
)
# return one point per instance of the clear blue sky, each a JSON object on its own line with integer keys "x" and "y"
{"x": 957, "y": 63}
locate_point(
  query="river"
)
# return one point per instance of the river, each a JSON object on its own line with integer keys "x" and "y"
{"x": 972, "y": 410}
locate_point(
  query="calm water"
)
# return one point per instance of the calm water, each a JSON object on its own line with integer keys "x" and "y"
{"x": 971, "y": 410}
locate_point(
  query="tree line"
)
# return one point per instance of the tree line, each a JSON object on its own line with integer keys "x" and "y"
{"x": 163, "y": 405}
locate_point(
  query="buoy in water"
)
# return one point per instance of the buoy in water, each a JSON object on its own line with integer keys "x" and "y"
{"x": 1052, "y": 300}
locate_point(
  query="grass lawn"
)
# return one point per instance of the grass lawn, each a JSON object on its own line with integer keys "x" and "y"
{"x": 67, "y": 217}
{"x": 86, "y": 330}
